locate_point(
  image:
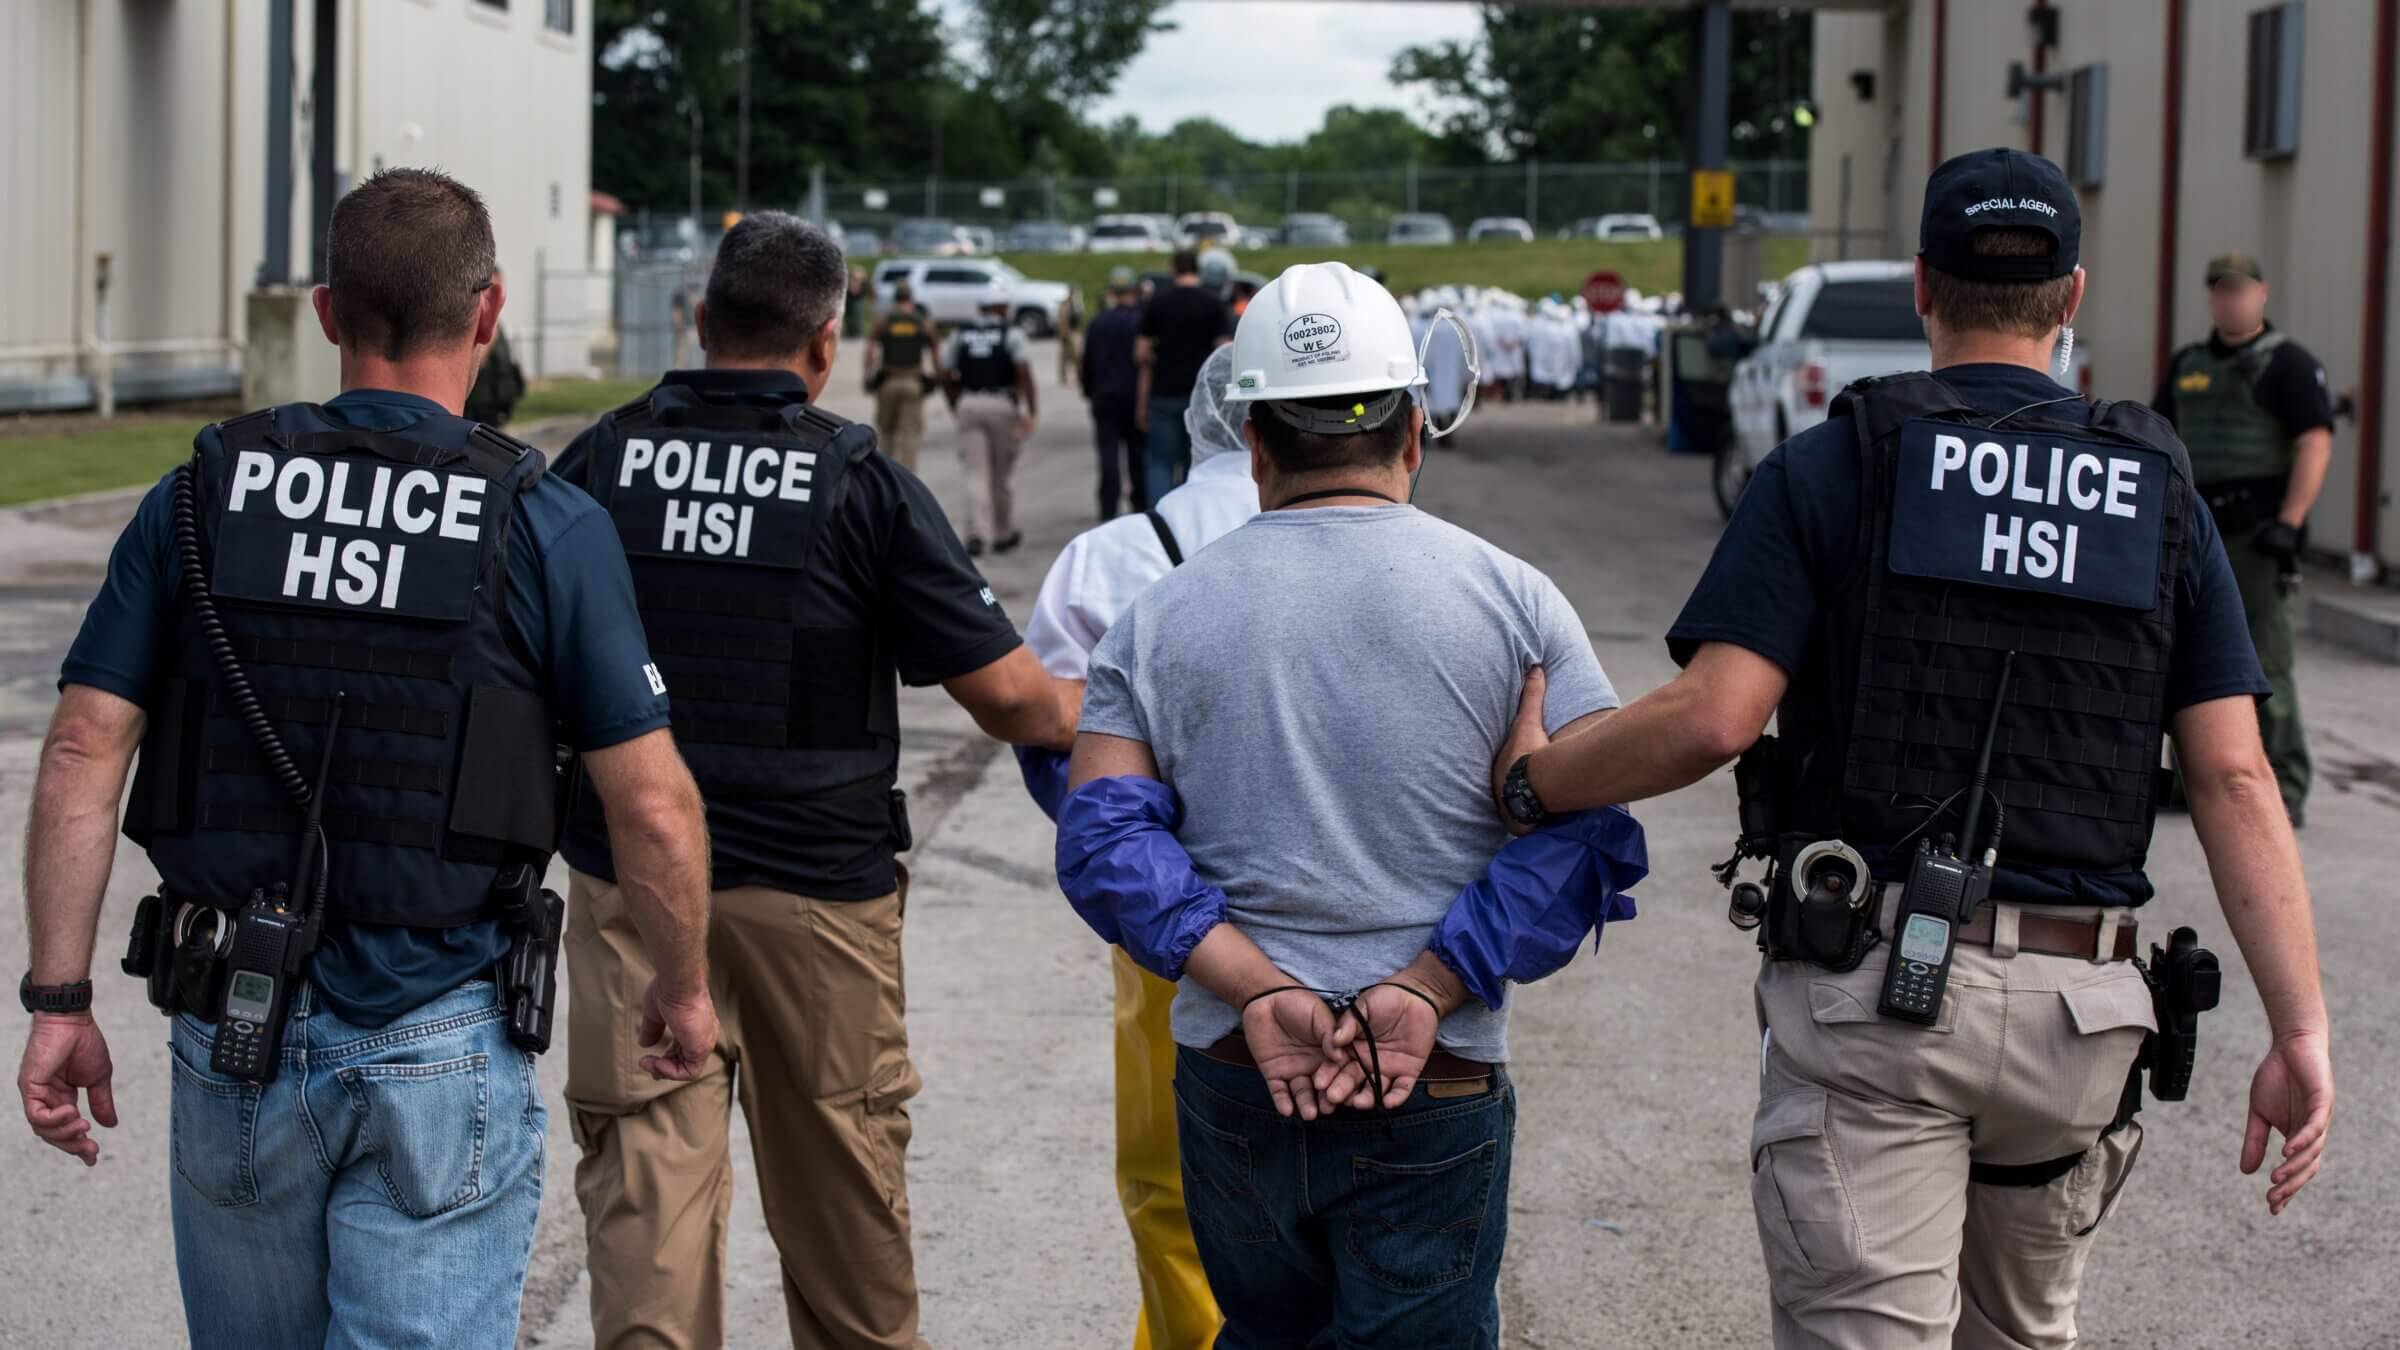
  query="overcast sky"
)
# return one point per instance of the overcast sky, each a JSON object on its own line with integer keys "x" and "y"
{"x": 1270, "y": 68}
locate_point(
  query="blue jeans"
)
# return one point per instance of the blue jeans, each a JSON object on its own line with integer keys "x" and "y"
{"x": 1170, "y": 446}
{"x": 1353, "y": 1231}
{"x": 381, "y": 1191}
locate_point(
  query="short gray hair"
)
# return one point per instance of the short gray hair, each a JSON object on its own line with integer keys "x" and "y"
{"x": 777, "y": 280}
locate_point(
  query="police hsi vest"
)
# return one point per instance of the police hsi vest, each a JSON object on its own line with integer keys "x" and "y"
{"x": 720, "y": 503}
{"x": 902, "y": 340}
{"x": 984, "y": 365}
{"x": 2060, "y": 542}
{"x": 372, "y": 566}
{"x": 2217, "y": 412}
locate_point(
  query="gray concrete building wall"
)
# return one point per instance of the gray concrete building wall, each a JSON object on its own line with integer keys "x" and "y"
{"x": 137, "y": 128}
{"x": 2305, "y": 216}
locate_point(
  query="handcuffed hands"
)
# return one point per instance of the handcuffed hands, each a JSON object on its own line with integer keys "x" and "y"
{"x": 1316, "y": 1061}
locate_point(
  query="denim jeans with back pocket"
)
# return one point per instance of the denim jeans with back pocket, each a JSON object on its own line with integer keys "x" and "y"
{"x": 382, "y": 1191}
{"x": 1360, "y": 1229}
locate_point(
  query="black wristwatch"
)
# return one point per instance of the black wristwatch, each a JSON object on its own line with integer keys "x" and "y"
{"x": 1518, "y": 798}
{"x": 54, "y": 998}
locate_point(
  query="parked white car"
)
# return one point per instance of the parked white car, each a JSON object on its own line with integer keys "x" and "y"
{"x": 1125, "y": 234}
{"x": 1514, "y": 229}
{"x": 1420, "y": 228}
{"x": 1829, "y": 324}
{"x": 951, "y": 290}
{"x": 1632, "y": 225}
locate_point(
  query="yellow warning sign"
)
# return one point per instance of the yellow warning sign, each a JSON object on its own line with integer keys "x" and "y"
{"x": 1712, "y": 199}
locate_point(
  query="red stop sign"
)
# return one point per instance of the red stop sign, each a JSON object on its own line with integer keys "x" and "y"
{"x": 1604, "y": 291}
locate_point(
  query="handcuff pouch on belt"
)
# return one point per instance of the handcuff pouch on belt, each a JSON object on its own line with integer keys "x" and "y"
{"x": 178, "y": 949}
{"x": 1822, "y": 904}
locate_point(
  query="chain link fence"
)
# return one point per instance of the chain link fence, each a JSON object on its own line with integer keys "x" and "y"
{"x": 634, "y": 318}
{"x": 1550, "y": 197}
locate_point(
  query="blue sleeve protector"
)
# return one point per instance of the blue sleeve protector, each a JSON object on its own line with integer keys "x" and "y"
{"x": 1542, "y": 893}
{"x": 1127, "y": 876}
{"x": 1045, "y": 774}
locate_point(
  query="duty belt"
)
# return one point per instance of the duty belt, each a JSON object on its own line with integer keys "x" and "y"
{"x": 2095, "y": 935}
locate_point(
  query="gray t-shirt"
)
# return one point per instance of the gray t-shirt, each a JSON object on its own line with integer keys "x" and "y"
{"x": 1326, "y": 689}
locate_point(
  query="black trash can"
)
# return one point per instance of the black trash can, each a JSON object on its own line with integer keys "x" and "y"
{"x": 1621, "y": 383}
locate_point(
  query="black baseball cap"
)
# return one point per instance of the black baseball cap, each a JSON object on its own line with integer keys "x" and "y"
{"x": 1988, "y": 189}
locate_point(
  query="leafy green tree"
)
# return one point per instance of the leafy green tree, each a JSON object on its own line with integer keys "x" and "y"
{"x": 1070, "y": 51}
{"x": 1569, "y": 84}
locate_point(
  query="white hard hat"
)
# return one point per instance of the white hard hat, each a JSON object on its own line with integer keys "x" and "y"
{"x": 1321, "y": 330}
{"x": 994, "y": 296}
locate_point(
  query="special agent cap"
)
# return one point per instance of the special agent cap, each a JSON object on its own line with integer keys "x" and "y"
{"x": 1996, "y": 189}
{"x": 2234, "y": 265}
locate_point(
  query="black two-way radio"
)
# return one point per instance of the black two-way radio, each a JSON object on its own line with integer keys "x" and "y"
{"x": 272, "y": 935}
{"x": 1946, "y": 881}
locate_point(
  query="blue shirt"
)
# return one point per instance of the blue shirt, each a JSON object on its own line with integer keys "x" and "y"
{"x": 570, "y": 596}
{"x": 1795, "y": 534}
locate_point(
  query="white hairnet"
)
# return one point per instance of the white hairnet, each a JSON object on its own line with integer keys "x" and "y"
{"x": 1214, "y": 423}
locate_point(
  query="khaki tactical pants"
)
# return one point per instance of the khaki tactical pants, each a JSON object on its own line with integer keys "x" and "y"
{"x": 814, "y": 1044}
{"x": 987, "y": 450}
{"x": 900, "y": 416}
{"x": 1875, "y": 1235}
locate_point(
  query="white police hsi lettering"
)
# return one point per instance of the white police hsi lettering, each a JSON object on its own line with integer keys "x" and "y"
{"x": 2082, "y": 481}
{"x": 412, "y": 501}
{"x": 721, "y": 529}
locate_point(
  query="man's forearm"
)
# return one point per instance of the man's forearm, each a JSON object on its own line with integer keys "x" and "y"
{"x": 1025, "y": 387}
{"x": 1667, "y": 739}
{"x": 71, "y": 833}
{"x": 1435, "y": 980}
{"x": 2255, "y": 863}
{"x": 1229, "y": 965}
{"x": 2312, "y": 457}
{"x": 661, "y": 859}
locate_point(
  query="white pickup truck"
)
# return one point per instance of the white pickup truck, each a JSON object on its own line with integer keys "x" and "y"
{"x": 1830, "y": 323}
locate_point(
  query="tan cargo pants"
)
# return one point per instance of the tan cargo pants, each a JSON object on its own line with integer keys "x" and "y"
{"x": 1874, "y": 1235}
{"x": 987, "y": 450}
{"x": 809, "y": 994}
{"x": 900, "y": 416}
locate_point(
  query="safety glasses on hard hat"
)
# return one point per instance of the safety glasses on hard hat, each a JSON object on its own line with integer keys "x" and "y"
{"x": 1474, "y": 365}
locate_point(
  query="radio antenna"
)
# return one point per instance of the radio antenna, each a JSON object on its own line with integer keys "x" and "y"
{"x": 1983, "y": 757}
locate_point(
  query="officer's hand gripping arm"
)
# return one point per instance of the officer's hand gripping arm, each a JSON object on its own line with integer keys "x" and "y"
{"x": 1669, "y": 738}
{"x": 1016, "y": 701}
{"x": 2238, "y": 812}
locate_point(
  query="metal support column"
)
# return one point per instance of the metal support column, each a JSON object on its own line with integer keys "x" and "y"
{"x": 275, "y": 264}
{"x": 323, "y": 100}
{"x": 1712, "y": 68}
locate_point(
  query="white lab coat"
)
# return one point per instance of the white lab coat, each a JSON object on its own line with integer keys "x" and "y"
{"x": 1104, "y": 569}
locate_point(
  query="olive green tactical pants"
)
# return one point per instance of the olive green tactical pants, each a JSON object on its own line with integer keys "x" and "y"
{"x": 1875, "y": 1235}
{"x": 2270, "y": 613}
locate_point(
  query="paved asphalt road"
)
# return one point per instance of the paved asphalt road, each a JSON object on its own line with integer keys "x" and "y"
{"x": 1630, "y": 1221}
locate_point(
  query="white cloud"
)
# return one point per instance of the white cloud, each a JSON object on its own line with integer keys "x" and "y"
{"x": 1270, "y": 68}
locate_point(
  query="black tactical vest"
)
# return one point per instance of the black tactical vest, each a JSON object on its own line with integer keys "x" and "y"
{"x": 2061, "y": 542}
{"x": 902, "y": 338}
{"x": 372, "y": 565}
{"x": 984, "y": 365}
{"x": 719, "y": 504}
